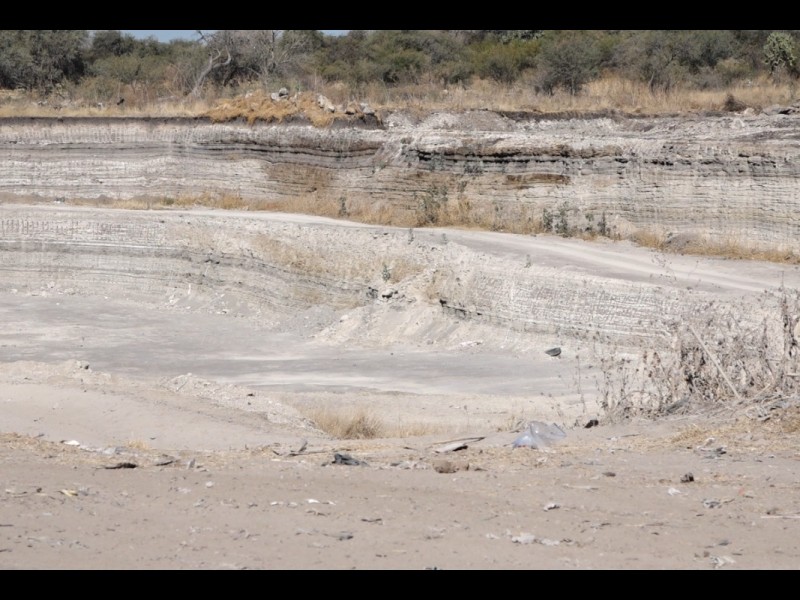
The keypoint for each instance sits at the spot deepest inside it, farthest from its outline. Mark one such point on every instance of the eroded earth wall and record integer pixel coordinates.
(729, 178)
(367, 283)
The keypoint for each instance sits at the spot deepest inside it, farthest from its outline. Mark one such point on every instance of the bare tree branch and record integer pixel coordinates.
(208, 68)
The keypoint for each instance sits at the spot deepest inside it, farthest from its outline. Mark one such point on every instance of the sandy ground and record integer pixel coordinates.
(133, 437)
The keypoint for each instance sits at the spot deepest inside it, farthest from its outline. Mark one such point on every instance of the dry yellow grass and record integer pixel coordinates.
(259, 106)
(735, 249)
(136, 444)
(730, 247)
(28, 106)
(522, 220)
(605, 94)
(362, 424)
(778, 431)
(649, 239)
(610, 93)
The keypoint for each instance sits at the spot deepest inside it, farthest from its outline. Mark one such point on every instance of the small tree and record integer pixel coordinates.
(40, 59)
(568, 61)
(779, 52)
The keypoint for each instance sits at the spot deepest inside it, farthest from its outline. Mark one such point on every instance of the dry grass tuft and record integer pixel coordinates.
(718, 359)
(649, 239)
(358, 423)
(779, 431)
(789, 422)
(606, 95)
(734, 248)
(139, 445)
(259, 106)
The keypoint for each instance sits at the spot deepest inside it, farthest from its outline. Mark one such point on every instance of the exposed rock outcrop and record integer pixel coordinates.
(727, 178)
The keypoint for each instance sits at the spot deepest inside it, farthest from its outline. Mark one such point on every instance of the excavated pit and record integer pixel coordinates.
(308, 308)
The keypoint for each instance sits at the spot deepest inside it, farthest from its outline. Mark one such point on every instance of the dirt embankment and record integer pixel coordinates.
(729, 179)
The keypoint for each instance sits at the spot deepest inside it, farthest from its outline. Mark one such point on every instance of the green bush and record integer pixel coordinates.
(780, 52)
(568, 61)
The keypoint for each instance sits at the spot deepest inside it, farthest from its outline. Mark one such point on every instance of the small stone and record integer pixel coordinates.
(524, 538)
(450, 466)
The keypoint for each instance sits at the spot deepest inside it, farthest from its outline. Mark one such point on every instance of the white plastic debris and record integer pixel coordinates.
(539, 435)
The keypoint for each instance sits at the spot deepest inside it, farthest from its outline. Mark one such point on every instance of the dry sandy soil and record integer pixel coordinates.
(139, 437)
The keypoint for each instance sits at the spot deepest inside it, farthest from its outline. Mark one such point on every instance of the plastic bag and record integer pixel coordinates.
(539, 435)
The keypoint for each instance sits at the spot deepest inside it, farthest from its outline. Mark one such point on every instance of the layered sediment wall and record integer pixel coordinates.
(722, 177)
(729, 178)
(375, 285)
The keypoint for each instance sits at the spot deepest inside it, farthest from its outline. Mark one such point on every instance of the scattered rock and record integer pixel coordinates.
(450, 466)
(281, 94)
(325, 104)
(721, 561)
(122, 465)
(686, 478)
(548, 542)
(717, 452)
(409, 464)
(777, 109)
(591, 423)
(346, 459)
(352, 108)
(553, 351)
(524, 538)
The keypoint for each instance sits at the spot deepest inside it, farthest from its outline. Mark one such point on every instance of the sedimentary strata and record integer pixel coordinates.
(729, 178)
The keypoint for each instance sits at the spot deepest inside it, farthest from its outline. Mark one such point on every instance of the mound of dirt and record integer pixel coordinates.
(302, 107)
